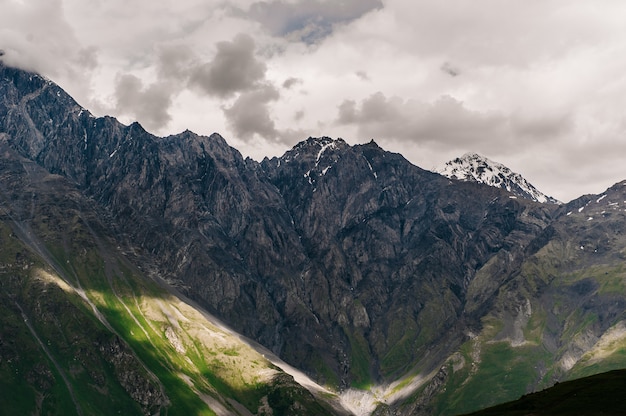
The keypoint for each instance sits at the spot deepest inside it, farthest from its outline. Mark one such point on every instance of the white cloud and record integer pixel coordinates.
(446, 120)
(35, 35)
(150, 104)
(537, 85)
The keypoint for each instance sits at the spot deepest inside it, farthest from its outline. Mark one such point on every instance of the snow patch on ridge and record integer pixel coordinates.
(369, 165)
(472, 167)
(326, 146)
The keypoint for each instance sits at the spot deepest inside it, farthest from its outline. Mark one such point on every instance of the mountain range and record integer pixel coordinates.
(171, 275)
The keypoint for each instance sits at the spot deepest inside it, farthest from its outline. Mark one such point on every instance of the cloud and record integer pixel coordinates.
(148, 104)
(234, 78)
(175, 62)
(362, 75)
(35, 36)
(446, 120)
(249, 114)
(450, 69)
(450, 122)
(234, 72)
(308, 20)
(541, 126)
(291, 81)
(298, 115)
(251, 119)
(233, 69)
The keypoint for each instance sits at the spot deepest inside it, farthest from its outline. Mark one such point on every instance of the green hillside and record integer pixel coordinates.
(86, 330)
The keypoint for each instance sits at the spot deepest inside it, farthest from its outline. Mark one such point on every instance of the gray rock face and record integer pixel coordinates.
(348, 261)
(397, 247)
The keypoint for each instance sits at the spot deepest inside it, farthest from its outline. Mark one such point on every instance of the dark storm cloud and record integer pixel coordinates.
(148, 104)
(233, 69)
(249, 114)
(308, 20)
(445, 120)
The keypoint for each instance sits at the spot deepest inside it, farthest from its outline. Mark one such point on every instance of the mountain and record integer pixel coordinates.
(398, 290)
(476, 168)
(88, 329)
(89, 325)
(557, 315)
(397, 247)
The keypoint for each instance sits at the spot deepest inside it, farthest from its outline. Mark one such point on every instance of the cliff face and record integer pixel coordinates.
(347, 261)
(396, 246)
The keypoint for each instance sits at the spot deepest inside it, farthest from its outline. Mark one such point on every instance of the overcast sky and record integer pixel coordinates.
(539, 86)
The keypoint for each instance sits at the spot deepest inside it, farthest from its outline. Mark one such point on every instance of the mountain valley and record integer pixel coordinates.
(170, 275)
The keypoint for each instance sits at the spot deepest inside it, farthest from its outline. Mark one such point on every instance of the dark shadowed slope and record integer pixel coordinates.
(601, 394)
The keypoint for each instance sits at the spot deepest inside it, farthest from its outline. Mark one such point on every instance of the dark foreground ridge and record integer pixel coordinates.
(601, 394)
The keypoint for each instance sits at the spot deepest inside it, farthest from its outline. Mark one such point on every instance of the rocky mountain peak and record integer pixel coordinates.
(313, 149)
(604, 205)
(311, 158)
(472, 167)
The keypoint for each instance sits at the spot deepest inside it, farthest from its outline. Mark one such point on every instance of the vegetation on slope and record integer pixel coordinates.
(84, 331)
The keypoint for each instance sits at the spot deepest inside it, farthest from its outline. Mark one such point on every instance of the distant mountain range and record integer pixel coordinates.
(143, 274)
(477, 168)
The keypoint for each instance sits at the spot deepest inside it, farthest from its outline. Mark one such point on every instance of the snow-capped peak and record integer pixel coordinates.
(473, 167)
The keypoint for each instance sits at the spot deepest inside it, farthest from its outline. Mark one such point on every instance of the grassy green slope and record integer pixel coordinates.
(84, 331)
(51, 345)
